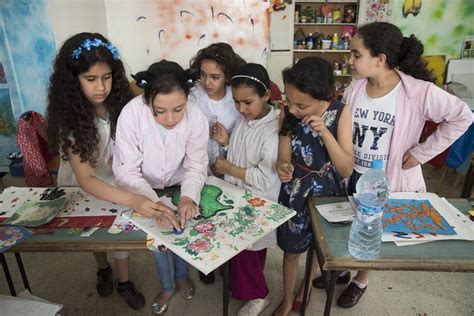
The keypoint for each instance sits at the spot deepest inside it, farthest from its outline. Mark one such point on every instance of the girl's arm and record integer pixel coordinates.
(284, 166)
(223, 166)
(128, 158)
(340, 149)
(88, 181)
(454, 117)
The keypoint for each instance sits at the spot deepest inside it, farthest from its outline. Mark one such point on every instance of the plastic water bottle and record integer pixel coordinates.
(366, 231)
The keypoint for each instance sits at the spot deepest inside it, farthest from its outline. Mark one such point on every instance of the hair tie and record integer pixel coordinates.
(88, 44)
(251, 78)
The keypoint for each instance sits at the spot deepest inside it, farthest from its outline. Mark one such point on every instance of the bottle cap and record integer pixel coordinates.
(377, 164)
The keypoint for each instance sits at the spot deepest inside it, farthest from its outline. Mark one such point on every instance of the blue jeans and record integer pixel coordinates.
(171, 268)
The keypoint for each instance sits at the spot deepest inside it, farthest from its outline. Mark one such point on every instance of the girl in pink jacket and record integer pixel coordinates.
(391, 97)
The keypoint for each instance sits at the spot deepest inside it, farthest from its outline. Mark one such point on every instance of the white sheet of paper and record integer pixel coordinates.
(27, 304)
(337, 212)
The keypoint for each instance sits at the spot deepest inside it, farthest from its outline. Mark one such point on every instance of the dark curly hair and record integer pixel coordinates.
(70, 115)
(401, 52)
(164, 77)
(223, 55)
(312, 76)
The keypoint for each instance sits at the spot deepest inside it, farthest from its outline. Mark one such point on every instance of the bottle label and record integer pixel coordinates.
(368, 214)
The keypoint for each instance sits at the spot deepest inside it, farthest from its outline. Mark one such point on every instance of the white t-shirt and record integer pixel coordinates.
(374, 119)
(103, 169)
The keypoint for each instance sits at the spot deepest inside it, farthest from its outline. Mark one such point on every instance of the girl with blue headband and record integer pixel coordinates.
(87, 92)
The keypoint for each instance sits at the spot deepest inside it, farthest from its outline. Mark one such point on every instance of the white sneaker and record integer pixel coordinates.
(254, 307)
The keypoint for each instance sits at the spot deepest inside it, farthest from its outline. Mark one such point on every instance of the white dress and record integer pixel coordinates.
(223, 111)
(103, 168)
(254, 146)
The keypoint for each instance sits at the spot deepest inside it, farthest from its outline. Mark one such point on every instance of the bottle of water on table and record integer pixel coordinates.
(366, 231)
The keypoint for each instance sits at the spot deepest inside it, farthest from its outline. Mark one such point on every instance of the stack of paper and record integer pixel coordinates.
(27, 304)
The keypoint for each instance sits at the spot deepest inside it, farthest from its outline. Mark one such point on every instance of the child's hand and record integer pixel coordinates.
(316, 123)
(163, 214)
(221, 166)
(285, 172)
(409, 161)
(186, 210)
(220, 134)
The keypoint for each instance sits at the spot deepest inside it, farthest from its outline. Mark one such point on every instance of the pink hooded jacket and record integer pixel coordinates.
(418, 101)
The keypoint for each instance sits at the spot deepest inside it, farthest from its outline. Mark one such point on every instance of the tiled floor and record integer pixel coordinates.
(69, 278)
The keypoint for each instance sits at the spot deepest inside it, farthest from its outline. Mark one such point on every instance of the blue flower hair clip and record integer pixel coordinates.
(88, 44)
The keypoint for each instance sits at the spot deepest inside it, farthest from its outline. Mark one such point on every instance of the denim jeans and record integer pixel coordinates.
(171, 268)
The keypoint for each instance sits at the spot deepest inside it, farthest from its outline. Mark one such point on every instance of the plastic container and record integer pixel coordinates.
(366, 231)
(326, 44)
(309, 41)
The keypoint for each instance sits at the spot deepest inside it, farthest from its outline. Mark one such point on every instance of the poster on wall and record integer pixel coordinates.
(375, 11)
(150, 30)
(27, 49)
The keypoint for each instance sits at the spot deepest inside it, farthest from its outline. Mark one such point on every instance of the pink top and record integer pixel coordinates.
(418, 101)
(143, 162)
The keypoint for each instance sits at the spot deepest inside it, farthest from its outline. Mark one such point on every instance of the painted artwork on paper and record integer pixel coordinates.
(209, 204)
(27, 50)
(208, 242)
(176, 30)
(414, 216)
(79, 210)
(11, 236)
(36, 213)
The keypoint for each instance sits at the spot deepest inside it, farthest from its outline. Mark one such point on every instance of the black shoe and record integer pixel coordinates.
(133, 298)
(105, 286)
(207, 279)
(350, 296)
(319, 281)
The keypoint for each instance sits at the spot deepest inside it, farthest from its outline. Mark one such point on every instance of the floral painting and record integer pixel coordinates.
(11, 236)
(375, 11)
(208, 242)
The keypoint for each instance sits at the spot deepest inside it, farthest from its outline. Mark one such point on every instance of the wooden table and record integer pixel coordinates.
(330, 244)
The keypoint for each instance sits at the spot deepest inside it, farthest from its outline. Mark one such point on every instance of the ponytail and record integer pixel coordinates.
(402, 52)
(410, 61)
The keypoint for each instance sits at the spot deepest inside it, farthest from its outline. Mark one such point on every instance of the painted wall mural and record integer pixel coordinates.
(26, 51)
(441, 25)
(150, 30)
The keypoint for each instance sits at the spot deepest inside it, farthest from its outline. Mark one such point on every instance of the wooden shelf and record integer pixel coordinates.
(321, 50)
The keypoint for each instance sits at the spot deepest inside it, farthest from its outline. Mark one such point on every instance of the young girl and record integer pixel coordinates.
(250, 164)
(390, 99)
(88, 90)
(162, 141)
(314, 155)
(213, 96)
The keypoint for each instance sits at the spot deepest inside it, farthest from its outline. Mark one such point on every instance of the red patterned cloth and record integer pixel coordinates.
(32, 139)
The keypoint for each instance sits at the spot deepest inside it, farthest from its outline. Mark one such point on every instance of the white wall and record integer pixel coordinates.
(74, 16)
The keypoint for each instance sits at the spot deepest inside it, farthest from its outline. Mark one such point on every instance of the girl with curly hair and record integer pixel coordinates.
(213, 96)
(88, 89)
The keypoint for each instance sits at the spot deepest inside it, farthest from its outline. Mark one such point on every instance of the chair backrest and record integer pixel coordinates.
(32, 139)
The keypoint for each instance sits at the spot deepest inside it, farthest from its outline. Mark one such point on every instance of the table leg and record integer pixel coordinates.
(307, 275)
(24, 277)
(225, 289)
(330, 291)
(8, 276)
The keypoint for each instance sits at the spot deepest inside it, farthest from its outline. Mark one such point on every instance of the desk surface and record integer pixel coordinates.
(446, 255)
(100, 240)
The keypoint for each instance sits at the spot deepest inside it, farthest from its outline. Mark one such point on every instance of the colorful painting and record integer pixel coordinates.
(27, 49)
(11, 236)
(207, 243)
(148, 31)
(423, 217)
(414, 216)
(440, 25)
(36, 213)
(79, 210)
(209, 204)
(375, 11)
